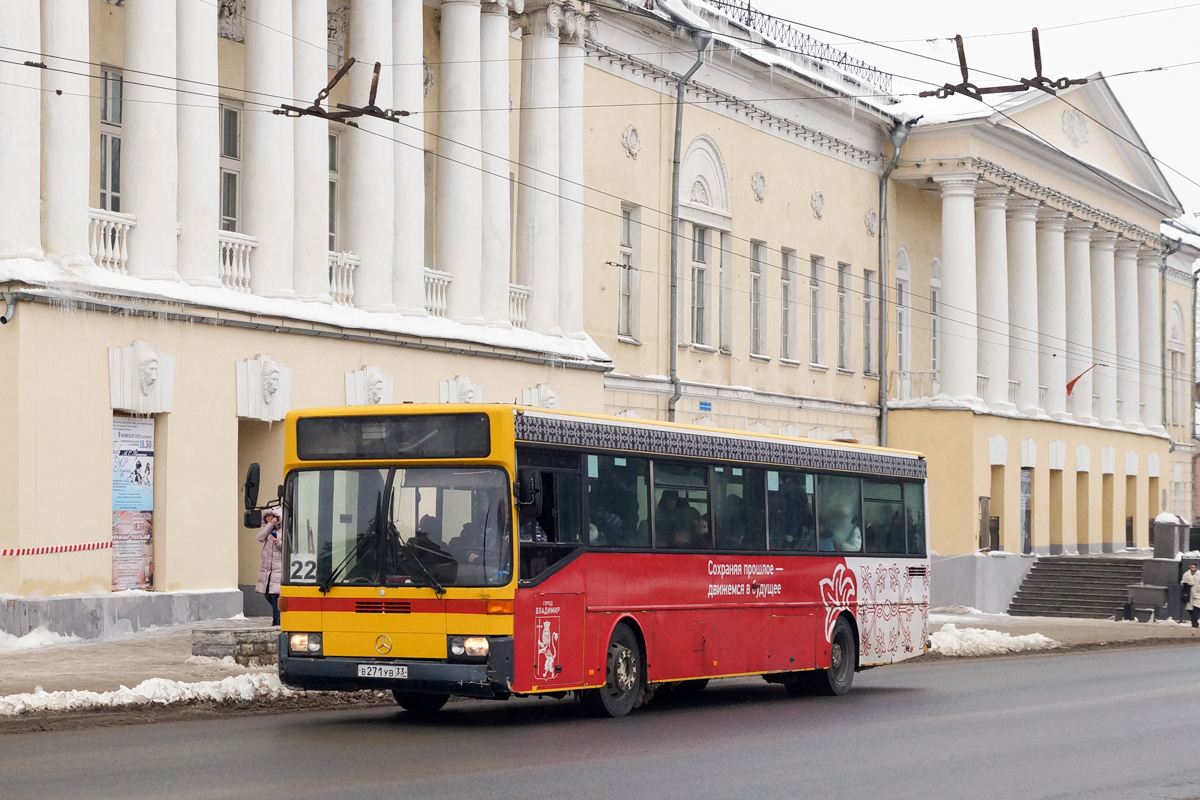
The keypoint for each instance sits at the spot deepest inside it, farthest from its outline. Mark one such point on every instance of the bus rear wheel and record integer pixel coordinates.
(419, 704)
(843, 656)
(624, 677)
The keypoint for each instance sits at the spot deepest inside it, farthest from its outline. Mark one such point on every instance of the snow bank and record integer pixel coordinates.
(251, 686)
(34, 640)
(950, 641)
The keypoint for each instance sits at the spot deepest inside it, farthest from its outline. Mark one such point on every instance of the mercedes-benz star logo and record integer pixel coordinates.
(383, 644)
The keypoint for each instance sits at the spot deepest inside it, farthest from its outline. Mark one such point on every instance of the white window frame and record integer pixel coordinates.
(629, 278)
(231, 167)
(335, 216)
(844, 277)
(870, 336)
(935, 329)
(787, 304)
(903, 327)
(756, 306)
(816, 311)
(701, 257)
(112, 85)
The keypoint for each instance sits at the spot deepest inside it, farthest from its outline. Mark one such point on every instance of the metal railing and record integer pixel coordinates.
(437, 286)
(235, 259)
(907, 384)
(341, 277)
(108, 238)
(518, 305)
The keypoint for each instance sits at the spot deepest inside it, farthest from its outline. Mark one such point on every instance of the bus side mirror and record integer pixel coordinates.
(252, 519)
(529, 492)
(250, 488)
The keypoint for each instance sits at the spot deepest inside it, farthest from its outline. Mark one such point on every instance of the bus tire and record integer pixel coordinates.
(843, 657)
(624, 676)
(420, 704)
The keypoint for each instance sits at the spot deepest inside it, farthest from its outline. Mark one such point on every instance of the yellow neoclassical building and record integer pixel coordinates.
(181, 265)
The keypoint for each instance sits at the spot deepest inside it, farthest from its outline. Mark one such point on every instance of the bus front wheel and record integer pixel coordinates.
(624, 677)
(420, 704)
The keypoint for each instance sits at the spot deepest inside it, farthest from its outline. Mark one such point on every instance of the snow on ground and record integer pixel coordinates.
(34, 640)
(953, 641)
(251, 686)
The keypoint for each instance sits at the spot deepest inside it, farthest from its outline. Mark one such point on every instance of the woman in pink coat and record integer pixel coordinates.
(271, 570)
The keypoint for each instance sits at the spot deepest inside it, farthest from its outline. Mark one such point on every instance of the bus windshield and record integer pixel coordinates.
(390, 526)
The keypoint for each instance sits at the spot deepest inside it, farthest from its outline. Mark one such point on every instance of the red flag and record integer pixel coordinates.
(1073, 381)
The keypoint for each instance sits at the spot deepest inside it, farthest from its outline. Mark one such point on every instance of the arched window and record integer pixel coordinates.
(704, 201)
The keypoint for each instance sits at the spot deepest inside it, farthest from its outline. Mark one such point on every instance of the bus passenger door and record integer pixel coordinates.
(556, 640)
(791, 641)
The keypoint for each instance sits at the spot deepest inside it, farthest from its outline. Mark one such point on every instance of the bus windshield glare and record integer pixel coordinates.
(390, 526)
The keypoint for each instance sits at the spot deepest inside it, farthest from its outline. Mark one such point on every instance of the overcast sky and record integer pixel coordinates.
(1164, 106)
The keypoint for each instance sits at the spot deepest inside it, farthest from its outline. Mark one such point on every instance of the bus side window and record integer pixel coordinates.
(618, 492)
(914, 514)
(883, 516)
(740, 508)
(560, 519)
(681, 507)
(791, 506)
(839, 513)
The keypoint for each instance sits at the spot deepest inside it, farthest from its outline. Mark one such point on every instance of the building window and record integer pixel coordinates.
(1178, 387)
(902, 342)
(231, 166)
(787, 302)
(869, 336)
(333, 192)
(816, 316)
(935, 325)
(627, 266)
(111, 93)
(756, 277)
(700, 237)
(843, 316)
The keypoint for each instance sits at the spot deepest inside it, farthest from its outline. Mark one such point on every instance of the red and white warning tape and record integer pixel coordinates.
(62, 548)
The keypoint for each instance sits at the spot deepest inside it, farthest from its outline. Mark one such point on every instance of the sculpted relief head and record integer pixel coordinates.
(270, 380)
(375, 386)
(147, 366)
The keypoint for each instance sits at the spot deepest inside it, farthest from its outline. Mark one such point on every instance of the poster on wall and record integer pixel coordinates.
(133, 503)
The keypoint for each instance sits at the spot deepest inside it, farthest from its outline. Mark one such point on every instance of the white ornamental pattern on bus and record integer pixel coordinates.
(891, 605)
(837, 595)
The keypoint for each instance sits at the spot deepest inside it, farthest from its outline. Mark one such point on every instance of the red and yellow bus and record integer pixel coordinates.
(499, 551)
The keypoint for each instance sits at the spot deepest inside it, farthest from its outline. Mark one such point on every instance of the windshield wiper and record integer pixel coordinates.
(326, 584)
(408, 546)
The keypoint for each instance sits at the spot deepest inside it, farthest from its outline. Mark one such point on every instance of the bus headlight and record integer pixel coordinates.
(469, 647)
(308, 644)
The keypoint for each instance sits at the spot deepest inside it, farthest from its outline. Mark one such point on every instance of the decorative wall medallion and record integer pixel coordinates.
(369, 386)
(141, 378)
(231, 19)
(264, 389)
(631, 140)
(759, 184)
(818, 204)
(428, 76)
(699, 194)
(872, 220)
(1075, 126)
(337, 21)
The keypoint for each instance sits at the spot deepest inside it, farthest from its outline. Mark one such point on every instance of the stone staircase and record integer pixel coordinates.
(1076, 586)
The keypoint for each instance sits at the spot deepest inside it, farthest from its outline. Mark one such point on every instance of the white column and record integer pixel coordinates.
(1023, 302)
(959, 319)
(149, 139)
(369, 197)
(1129, 372)
(408, 94)
(20, 133)
(460, 180)
(537, 191)
(199, 140)
(991, 269)
(268, 149)
(1052, 310)
(1149, 267)
(497, 213)
(310, 164)
(65, 132)
(1078, 289)
(1104, 327)
(570, 164)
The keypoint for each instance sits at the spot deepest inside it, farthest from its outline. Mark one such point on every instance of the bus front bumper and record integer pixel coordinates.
(490, 680)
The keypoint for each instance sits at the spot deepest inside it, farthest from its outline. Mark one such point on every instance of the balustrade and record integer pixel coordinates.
(437, 286)
(108, 238)
(235, 259)
(1012, 391)
(518, 304)
(981, 385)
(908, 384)
(341, 277)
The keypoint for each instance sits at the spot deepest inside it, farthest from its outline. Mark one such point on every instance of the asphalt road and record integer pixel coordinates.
(1092, 725)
